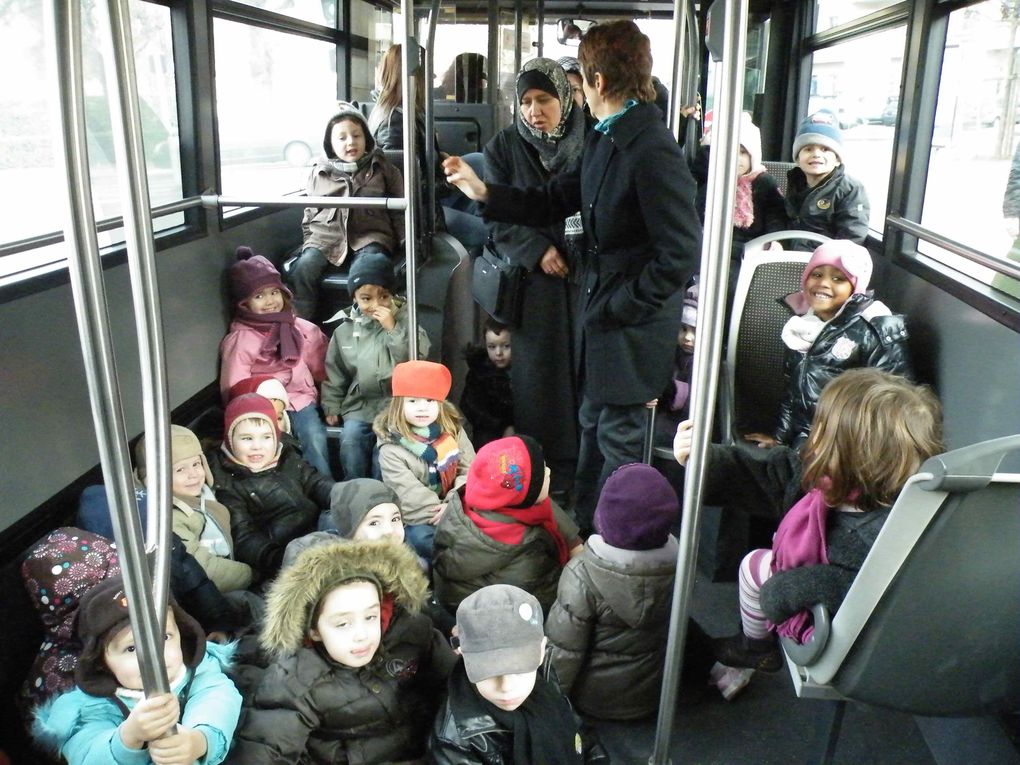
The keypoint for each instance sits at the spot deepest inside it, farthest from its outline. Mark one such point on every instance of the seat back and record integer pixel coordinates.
(778, 170)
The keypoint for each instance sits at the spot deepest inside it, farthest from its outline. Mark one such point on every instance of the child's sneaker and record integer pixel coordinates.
(729, 680)
(741, 651)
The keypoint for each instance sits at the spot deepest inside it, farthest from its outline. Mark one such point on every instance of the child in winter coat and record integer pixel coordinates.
(836, 325)
(357, 669)
(488, 400)
(266, 337)
(352, 166)
(674, 402)
(107, 718)
(425, 453)
(608, 626)
(273, 495)
(506, 530)
(501, 709)
(872, 431)
(369, 342)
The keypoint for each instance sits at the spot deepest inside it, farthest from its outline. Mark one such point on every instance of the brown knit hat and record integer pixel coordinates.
(251, 273)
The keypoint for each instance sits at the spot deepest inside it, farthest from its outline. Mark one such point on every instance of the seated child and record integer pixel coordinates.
(358, 669)
(836, 325)
(351, 166)
(506, 530)
(369, 342)
(488, 400)
(425, 453)
(273, 495)
(608, 627)
(202, 523)
(107, 719)
(266, 337)
(271, 388)
(500, 708)
(820, 196)
(872, 431)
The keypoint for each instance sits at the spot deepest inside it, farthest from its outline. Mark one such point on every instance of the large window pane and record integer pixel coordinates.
(832, 13)
(858, 81)
(274, 94)
(376, 24)
(29, 170)
(975, 136)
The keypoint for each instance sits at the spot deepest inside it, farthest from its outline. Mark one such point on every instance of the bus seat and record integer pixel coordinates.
(930, 625)
(778, 170)
(445, 306)
(751, 386)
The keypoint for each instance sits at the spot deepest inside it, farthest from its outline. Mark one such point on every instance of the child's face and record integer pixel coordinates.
(507, 692)
(188, 477)
(349, 625)
(267, 300)
(817, 162)
(122, 659)
(280, 408)
(348, 139)
(370, 297)
(254, 442)
(421, 412)
(686, 338)
(827, 288)
(381, 522)
(497, 345)
(743, 162)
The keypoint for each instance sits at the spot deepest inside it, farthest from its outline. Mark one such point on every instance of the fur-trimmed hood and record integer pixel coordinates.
(299, 588)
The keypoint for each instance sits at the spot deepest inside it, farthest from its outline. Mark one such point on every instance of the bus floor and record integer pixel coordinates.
(767, 724)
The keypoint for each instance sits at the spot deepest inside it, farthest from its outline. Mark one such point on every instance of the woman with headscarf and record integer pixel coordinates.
(546, 138)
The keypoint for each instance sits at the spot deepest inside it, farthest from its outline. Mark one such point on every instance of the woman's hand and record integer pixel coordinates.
(682, 442)
(459, 173)
(553, 264)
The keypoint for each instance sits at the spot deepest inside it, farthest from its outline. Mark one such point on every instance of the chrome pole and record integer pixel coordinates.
(410, 166)
(141, 250)
(384, 203)
(680, 41)
(89, 294)
(430, 122)
(715, 255)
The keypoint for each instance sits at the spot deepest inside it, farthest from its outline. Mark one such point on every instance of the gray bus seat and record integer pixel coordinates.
(778, 170)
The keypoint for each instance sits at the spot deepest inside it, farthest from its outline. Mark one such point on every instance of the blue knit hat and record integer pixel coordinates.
(821, 128)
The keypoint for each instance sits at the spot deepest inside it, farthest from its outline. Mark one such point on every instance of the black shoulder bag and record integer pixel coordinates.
(498, 286)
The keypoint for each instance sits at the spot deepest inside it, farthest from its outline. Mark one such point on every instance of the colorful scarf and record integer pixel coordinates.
(282, 337)
(800, 541)
(513, 533)
(440, 453)
(743, 204)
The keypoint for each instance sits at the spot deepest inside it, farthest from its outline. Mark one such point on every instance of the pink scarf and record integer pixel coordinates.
(282, 337)
(800, 541)
(743, 204)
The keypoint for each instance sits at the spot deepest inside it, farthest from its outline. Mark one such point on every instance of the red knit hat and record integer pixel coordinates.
(251, 273)
(507, 472)
(247, 406)
(422, 379)
(265, 385)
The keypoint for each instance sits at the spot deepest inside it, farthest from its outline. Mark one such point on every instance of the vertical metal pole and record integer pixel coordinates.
(676, 102)
(97, 345)
(141, 249)
(541, 28)
(410, 65)
(518, 37)
(715, 256)
(430, 124)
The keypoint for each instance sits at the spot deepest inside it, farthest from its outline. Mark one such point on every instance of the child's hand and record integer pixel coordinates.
(682, 442)
(773, 247)
(763, 441)
(333, 419)
(384, 316)
(509, 431)
(182, 748)
(437, 513)
(652, 404)
(149, 720)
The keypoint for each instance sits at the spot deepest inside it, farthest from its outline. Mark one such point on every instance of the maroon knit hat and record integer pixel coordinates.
(246, 406)
(251, 273)
(637, 508)
(507, 472)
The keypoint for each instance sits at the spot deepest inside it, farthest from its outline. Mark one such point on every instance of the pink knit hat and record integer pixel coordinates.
(850, 258)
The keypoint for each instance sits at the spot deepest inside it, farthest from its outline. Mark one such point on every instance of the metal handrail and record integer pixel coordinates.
(1004, 267)
(407, 87)
(386, 203)
(97, 343)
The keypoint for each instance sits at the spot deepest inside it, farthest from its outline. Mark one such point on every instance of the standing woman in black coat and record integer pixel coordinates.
(636, 198)
(546, 138)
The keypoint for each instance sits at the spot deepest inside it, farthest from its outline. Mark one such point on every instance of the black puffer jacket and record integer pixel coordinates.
(863, 334)
(488, 399)
(270, 508)
(837, 207)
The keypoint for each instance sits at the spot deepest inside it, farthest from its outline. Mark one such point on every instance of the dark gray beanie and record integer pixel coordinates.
(370, 268)
(350, 501)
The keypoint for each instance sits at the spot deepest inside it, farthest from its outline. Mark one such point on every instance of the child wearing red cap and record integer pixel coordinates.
(506, 530)
(273, 495)
(267, 338)
(836, 325)
(424, 453)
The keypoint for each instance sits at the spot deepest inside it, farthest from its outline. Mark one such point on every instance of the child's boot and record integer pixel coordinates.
(741, 651)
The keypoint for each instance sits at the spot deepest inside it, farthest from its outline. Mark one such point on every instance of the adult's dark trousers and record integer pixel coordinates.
(611, 435)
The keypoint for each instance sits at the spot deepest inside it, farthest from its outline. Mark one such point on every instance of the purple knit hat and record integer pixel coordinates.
(637, 508)
(849, 257)
(252, 272)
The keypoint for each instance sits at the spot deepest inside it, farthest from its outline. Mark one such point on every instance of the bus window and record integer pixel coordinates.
(832, 13)
(316, 11)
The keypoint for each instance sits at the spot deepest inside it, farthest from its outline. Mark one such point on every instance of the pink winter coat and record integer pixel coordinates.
(241, 356)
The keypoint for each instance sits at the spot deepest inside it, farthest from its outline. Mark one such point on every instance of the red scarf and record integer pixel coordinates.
(282, 337)
(513, 533)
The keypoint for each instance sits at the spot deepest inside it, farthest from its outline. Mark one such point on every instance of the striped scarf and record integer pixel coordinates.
(440, 453)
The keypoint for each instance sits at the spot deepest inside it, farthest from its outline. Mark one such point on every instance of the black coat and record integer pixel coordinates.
(270, 508)
(543, 370)
(487, 400)
(636, 198)
(837, 207)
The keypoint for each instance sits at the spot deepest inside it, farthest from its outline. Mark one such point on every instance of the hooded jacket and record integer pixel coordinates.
(466, 559)
(863, 334)
(310, 709)
(360, 361)
(837, 207)
(271, 507)
(607, 629)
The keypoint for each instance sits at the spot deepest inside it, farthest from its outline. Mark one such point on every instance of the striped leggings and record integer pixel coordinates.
(755, 568)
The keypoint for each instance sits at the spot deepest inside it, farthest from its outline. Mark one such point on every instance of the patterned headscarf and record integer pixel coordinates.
(561, 147)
